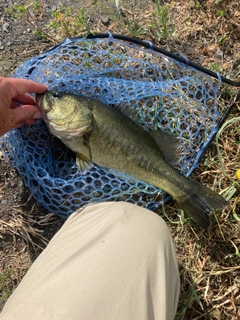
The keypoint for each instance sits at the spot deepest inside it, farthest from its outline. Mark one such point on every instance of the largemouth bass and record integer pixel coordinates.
(107, 137)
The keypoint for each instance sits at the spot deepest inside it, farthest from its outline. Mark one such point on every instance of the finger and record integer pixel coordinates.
(14, 105)
(23, 114)
(18, 117)
(29, 122)
(19, 87)
(25, 99)
(19, 125)
(5, 127)
(23, 86)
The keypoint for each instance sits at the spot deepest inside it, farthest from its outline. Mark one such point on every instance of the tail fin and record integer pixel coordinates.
(200, 202)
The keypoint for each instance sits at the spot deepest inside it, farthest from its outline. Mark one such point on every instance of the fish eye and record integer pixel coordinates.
(57, 95)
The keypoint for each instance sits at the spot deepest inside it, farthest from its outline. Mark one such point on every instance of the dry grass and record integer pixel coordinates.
(207, 32)
(24, 234)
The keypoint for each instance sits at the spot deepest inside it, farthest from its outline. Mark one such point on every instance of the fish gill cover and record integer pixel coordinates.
(165, 93)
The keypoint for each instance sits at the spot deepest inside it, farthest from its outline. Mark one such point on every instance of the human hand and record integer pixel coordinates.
(13, 93)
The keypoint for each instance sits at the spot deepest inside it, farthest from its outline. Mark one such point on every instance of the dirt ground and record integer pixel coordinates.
(26, 227)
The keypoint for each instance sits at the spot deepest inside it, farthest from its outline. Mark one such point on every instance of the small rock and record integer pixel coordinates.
(219, 53)
(105, 20)
(4, 202)
(6, 27)
(123, 13)
(91, 18)
(55, 8)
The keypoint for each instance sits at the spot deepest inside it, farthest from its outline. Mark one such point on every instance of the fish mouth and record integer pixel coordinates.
(68, 133)
(60, 130)
(39, 105)
(38, 100)
(44, 106)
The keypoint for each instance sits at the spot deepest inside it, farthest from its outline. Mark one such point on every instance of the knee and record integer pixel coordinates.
(125, 212)
(132, 217)
(125, 220)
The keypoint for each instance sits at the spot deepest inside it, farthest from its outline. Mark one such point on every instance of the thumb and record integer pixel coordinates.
(24, 113)
(16, 117)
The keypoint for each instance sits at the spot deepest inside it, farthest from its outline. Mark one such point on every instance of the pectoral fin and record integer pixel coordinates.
(83, 162)
(84, 155)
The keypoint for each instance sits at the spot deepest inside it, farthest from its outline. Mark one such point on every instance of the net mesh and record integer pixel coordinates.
(166, 94)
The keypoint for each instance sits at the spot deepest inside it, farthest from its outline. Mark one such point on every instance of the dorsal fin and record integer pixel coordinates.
(168, 144)
(129, 112)
(166, 141)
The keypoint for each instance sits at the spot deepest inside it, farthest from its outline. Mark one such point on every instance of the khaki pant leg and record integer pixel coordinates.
(111, 261)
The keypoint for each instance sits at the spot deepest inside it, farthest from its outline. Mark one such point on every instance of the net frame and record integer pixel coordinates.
(168, 92)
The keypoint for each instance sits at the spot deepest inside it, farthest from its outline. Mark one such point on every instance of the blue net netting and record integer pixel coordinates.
(166, 94)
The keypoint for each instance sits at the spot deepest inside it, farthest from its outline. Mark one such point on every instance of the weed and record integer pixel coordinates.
(220, 13)
(68, 11)
(15, 10)
(5, 280)
(5, 290)
(38, 32)
(222, 39)
(135, 28)
(227, 123)
(67, 23)
(159, 26)
(83, 21)
(197, 4)
(64, 22)
(117, 4)
(131, 22)
(236, 249)
(216, 68)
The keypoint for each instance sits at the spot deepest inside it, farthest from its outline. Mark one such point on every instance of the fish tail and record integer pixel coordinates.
(200, 202)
